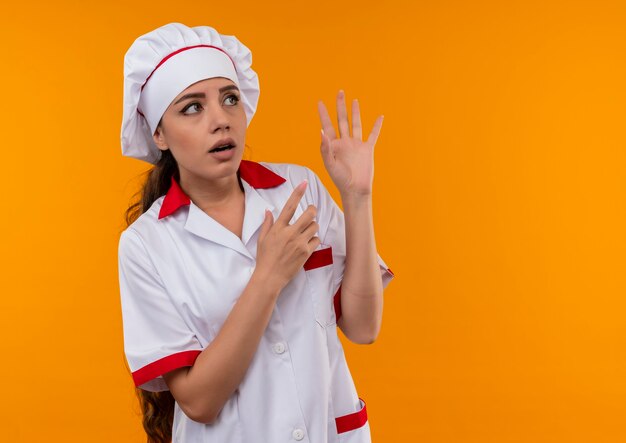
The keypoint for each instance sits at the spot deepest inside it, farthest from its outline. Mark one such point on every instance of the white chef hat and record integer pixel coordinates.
(161, 64)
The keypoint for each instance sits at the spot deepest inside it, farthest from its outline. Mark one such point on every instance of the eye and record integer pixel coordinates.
(191, 105)
(233, 99)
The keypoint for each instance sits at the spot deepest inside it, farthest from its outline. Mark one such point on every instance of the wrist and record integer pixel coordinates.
(354, 199)
(267, 281)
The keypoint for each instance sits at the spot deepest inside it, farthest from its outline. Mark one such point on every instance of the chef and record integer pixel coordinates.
(236, 275)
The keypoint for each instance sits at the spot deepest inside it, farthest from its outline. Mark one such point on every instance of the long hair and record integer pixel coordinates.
(157, 407)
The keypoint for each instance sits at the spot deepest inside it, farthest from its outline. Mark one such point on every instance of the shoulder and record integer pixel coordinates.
(316, 193)
(291, 172)
(144, 227)
(294, 174)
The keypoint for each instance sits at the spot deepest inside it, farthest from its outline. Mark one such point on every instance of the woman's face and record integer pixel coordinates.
(207, 115)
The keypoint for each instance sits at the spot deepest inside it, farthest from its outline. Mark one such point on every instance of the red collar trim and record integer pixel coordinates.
(255, 174)
(174, 199)
(258, 176)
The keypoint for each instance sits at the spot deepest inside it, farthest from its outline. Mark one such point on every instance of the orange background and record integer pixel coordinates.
(499, 204)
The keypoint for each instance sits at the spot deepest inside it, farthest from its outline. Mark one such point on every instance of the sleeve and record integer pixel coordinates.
(333, 233)
(156, 338)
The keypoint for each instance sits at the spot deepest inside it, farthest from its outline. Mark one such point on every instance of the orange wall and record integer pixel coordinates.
(499, 204)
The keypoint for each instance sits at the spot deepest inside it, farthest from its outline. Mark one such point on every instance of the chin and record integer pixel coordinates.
(224, 168)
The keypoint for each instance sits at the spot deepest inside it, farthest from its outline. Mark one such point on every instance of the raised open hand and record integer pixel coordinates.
(348, 159)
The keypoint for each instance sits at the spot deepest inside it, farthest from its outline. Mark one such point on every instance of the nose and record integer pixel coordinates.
(218, 119)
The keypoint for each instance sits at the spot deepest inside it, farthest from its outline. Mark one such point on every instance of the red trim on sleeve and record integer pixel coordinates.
(352, 421)
(391, 272)
(163, 365)
(337, 303)
(322, 257)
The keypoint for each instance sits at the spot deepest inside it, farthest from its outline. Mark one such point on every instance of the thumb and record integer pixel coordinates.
(268, 221)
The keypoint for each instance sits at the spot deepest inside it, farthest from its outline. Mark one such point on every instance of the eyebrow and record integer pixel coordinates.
(203, 95)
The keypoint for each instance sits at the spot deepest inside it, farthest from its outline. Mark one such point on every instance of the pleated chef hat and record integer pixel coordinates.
(162, 63)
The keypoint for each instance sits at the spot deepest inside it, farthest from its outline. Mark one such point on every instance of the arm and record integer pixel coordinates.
(202, 389)
(361, 289)
(350, 163)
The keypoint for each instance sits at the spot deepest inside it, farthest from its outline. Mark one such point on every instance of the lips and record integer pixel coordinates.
(223, 145)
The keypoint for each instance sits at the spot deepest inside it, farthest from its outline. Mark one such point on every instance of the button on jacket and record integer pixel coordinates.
(180, 274)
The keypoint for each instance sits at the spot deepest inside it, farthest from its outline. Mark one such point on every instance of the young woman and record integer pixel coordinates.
(235, 275)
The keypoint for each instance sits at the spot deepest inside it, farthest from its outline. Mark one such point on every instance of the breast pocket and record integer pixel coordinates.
(319, 275)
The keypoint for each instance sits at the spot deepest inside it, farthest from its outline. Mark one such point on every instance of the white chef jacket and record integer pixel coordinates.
(180, 274)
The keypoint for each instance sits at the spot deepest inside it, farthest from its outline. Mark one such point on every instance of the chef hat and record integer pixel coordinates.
(162, 63)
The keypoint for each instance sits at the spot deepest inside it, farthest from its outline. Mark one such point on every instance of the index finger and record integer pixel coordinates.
(292, 203)
(327, 124)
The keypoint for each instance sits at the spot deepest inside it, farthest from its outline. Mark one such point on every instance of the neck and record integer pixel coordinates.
(212, 193)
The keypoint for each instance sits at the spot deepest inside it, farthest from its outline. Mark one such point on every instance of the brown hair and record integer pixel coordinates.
(157, 184)
(157, 407)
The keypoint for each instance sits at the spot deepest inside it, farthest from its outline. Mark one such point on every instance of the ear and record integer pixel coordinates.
(159, 139)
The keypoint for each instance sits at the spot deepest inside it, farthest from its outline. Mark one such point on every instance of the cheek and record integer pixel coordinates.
(188, 137)
(242, 120)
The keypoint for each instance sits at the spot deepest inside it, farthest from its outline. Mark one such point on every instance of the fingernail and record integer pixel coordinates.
(322, 131)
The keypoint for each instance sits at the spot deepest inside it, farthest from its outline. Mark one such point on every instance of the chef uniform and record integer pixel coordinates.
(181, 272)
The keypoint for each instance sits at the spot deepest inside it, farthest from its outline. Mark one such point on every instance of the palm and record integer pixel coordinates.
(348, 159)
